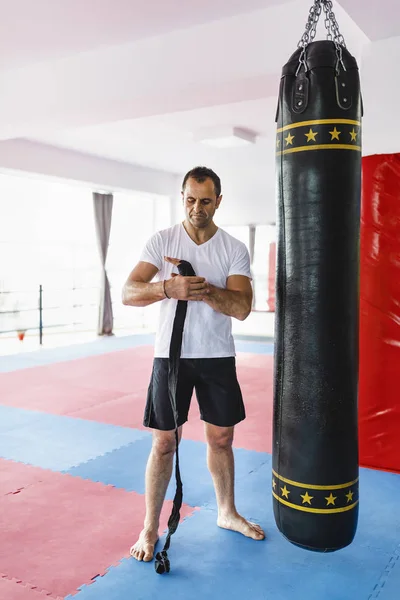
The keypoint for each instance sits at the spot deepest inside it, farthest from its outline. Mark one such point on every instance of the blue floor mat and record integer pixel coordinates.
(58, 442)
(125, 468)
(388, 586)
(12, 418)
(254, 347)
(211, 563)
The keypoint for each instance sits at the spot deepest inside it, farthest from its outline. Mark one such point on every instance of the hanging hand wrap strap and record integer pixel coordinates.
(162, 564)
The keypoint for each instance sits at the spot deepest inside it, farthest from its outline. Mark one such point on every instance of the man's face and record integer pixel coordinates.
(200, 202)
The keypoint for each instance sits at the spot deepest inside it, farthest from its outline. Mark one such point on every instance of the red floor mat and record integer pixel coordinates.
(68, 386)
(63, 532)
(54, 396)
(111, 388)
(14, 476)
(14, 589)
(255, 373)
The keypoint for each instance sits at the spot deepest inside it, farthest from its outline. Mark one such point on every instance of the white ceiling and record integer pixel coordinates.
(379, 19)
(133, 81)
(33, 31)
(166, 141)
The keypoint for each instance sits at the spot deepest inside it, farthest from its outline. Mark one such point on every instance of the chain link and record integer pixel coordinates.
(311, 25)
(331, 25)
(330, 17)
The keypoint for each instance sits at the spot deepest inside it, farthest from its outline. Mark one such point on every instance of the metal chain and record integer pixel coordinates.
(331, 26)
(327, 24)
(311, 25)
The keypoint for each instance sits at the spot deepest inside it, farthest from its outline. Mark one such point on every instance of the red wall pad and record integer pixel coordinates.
(379, 383)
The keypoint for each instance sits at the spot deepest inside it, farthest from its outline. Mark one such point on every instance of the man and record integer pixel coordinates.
(221, 290)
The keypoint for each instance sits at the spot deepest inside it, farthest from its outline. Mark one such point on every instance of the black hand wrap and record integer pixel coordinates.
(162, 563)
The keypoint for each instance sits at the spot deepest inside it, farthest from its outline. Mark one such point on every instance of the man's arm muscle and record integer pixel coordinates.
(138, 289)
(234, 301)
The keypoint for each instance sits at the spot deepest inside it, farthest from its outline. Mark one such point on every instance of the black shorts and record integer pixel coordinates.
(217, 390)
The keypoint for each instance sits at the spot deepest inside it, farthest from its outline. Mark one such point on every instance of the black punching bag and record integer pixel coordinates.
(318, 160)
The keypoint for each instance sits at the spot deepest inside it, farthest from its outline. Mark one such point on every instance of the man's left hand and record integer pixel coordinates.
(206, 288)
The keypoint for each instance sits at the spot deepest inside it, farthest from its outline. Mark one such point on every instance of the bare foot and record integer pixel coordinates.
(144, 547)
(237, 523)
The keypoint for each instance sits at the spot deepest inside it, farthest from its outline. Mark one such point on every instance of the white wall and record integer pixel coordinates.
(248, 198)
(380, 84)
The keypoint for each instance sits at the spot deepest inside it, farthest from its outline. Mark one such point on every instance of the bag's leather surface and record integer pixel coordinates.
(315, 438)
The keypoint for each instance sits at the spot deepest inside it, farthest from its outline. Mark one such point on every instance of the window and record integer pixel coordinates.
(263, 272)
(47, 238)
(240, 232)
(136, 217)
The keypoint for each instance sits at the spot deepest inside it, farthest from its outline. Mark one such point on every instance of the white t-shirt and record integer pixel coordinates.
(207, 333)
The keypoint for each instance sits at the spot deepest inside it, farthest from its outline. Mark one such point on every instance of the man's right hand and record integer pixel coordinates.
(186, 288)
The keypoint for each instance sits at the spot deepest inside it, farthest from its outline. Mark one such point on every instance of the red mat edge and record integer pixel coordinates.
(38, 592)
(50, 596)
(363, 465)
(127, 556)
(43, 593)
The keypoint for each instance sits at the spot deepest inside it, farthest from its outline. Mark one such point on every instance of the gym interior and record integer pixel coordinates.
(105, 106)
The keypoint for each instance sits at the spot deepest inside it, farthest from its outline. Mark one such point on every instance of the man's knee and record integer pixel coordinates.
(219, 438)
(164, 442)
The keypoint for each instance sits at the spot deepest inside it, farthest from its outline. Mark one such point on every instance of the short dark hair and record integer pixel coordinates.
(200, 174)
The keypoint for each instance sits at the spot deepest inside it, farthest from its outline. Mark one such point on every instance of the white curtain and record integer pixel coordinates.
(103, 205)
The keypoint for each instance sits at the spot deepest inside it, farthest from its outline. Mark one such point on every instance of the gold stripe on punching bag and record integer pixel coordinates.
(319, 134)
(317, 499)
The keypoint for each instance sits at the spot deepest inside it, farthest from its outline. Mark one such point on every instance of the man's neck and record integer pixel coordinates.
(200, 235)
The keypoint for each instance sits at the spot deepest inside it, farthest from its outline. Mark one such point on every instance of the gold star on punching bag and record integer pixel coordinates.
(311, 135)
(278, 143)
(330, 499)
(289, 139)
(335, 134)
(349, 496)
(285, 492)
(306, 498)
(353, 135)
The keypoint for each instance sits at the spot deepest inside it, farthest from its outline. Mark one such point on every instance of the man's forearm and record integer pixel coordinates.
(138, 293)
(229, 302)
